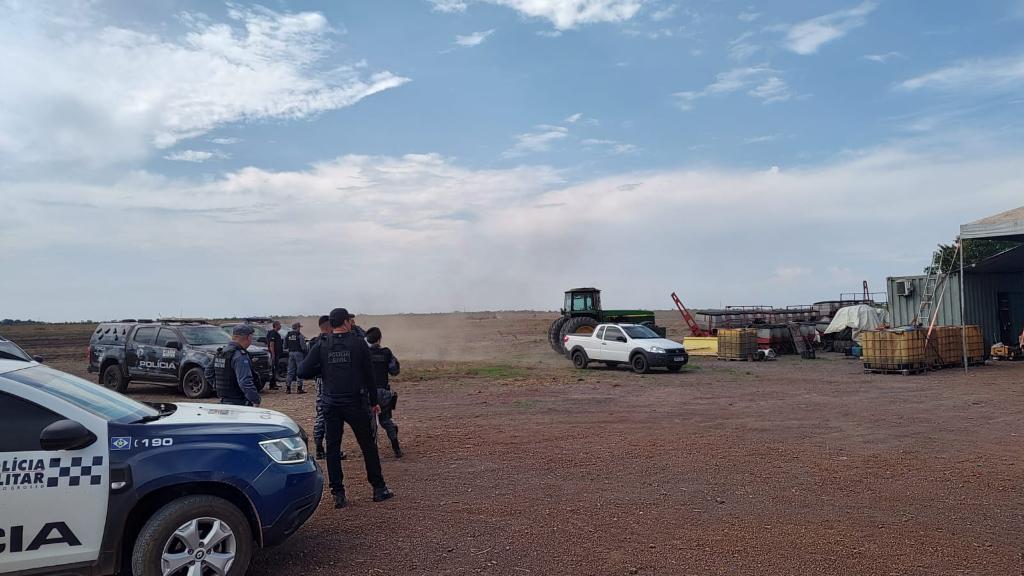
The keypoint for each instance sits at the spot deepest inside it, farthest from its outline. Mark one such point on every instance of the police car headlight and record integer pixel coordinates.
(291, 450)
(656, 350)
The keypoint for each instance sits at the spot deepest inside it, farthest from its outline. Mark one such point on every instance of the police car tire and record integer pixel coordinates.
(149, 546)
(113, 378)
(204, 390)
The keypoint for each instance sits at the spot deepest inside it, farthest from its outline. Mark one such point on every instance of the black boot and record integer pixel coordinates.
(340, 501)
(287, 389)
(301, 391)
(320, 455)
(397, 448)
(382, 494)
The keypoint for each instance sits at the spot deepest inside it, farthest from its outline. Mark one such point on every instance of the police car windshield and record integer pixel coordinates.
(104, 403)
(200, 335)
(640, 332)
(10, 351)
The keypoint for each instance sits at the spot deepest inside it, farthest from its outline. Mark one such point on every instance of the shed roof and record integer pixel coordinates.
(1007, 225)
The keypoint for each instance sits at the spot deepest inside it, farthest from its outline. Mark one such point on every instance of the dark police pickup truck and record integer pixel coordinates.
(174, 352)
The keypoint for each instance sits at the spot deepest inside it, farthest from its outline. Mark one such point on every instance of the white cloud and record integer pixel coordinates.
(748, 15)
(474, 39)
(760, 82)
(664, 13)
(883, 58)
(611, 146)
(574, 118)
(85, 92)
(808, 36)
(388, 223)
(225, 141)
(741, 47)
(448, 6)
(538, 141)
(563, 14)
(196, 156)
(762, 139)
(980, 75)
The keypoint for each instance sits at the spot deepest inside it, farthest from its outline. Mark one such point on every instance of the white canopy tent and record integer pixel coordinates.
(1007, 225)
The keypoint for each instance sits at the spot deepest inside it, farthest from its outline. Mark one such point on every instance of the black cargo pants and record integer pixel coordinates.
(358, 416)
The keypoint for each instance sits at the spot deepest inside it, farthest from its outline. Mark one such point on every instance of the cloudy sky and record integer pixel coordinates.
(188, 157)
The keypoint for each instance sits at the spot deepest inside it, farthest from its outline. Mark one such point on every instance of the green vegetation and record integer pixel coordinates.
(498, 372)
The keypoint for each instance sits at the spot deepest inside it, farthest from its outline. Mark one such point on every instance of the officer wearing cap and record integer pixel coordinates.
(349, 396)
(231, 370)
(295, 345)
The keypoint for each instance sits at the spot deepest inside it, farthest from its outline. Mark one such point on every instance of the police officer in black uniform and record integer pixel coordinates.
(275, 344)
(349, 396)
(231, 369)
(295, 345)
(384, 365)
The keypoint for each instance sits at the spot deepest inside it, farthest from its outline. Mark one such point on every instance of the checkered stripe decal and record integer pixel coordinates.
(77, 474)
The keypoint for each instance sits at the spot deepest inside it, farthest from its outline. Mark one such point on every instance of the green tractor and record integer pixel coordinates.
(582, 313)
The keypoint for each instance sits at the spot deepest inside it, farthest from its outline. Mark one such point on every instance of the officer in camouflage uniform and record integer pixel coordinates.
(231, 370)
(384, 365)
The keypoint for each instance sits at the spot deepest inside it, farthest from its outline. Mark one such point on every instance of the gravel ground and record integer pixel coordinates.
(525, 466)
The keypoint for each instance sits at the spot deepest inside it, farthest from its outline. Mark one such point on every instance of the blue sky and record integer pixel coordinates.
(431, 155)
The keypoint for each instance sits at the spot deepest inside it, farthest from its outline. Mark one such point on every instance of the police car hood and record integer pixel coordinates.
(228, 419)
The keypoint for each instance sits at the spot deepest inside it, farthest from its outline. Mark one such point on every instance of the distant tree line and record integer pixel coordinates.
(11, 322)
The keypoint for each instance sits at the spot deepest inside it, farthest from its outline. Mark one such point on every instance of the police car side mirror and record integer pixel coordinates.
(173, 344)
(38, 358)
(65, 435)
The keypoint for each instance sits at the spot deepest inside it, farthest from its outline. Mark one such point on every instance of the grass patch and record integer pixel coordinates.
(498, 372)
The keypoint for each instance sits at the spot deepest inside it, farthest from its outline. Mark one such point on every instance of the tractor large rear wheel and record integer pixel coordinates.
(581, 326)
(555, 334)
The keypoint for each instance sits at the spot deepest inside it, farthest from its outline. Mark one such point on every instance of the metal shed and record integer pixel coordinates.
(990, 292)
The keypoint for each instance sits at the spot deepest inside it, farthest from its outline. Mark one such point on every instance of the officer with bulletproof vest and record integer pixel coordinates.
(295, 346)
(319, 430)
(349, 396)
(231, 370)
(384, 365)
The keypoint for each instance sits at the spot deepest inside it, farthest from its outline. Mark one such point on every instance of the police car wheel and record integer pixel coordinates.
(194, 384)
(194, 536)
(113, 378)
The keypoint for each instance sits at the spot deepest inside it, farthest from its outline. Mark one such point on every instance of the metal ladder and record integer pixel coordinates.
(934, 284)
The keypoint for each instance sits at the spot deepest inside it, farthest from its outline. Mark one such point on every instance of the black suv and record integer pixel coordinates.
(173, 352)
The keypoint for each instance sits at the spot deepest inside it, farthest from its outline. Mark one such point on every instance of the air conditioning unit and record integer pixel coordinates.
(904, 287)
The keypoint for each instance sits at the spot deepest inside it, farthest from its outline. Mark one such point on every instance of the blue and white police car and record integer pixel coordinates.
(92, 482)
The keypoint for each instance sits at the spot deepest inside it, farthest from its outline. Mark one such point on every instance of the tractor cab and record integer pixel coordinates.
(582, 302)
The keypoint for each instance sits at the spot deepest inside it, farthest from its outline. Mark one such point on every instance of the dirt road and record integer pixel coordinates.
(521, 465)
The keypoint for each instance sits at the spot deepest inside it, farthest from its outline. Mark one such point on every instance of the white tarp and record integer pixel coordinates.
(860, 318)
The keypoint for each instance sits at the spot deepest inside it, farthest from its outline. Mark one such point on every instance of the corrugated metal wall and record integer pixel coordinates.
(981, 303)
(902, 309)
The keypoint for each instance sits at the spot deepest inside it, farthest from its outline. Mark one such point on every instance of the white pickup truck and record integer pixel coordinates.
(632, 344)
